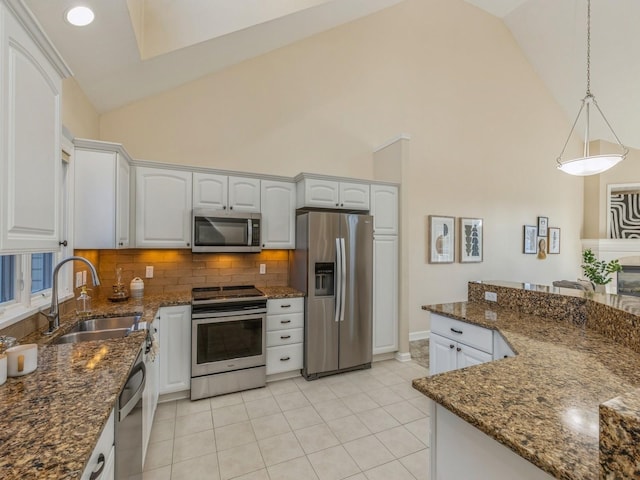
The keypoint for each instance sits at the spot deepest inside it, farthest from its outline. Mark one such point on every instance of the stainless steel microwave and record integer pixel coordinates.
(220, 231)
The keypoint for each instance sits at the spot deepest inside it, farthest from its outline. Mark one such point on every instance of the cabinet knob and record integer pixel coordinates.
(231, 207)
(121, 243)
(63, 243)
(337, 204)
(263, 245)
(342, 204)
(458, 349)
(451, 346)
(188, 244)
(224, 207)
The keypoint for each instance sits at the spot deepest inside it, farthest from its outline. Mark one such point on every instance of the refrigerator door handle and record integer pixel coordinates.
(343, 282)
(338, 279)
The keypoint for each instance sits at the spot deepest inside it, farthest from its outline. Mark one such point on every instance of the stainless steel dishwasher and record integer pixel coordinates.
(128, 428)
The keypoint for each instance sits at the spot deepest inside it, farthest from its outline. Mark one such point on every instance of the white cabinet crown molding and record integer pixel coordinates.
(88, 144)
(36, 32)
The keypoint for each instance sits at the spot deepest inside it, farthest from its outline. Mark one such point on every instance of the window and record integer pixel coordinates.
(41, 271)
(7, 278)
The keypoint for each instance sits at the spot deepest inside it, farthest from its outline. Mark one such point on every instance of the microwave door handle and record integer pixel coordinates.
(250, 234)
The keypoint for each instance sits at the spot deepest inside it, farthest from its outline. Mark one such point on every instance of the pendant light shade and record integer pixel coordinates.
(590, 164)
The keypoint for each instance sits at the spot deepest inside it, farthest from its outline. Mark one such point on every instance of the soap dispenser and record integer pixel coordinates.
(83, 303)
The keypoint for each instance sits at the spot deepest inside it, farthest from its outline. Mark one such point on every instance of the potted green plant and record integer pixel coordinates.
(598, 271)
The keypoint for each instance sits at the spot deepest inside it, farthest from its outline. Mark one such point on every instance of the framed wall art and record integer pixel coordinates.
(530, 239)
(441, 235)
(470, 240)
(543, 223)
(554, 240)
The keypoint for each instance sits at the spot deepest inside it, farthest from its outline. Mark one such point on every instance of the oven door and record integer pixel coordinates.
(227, 343)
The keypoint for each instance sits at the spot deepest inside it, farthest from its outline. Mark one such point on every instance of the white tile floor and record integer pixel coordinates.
(364, 425)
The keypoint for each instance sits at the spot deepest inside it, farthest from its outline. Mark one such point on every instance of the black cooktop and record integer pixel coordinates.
(229, 292)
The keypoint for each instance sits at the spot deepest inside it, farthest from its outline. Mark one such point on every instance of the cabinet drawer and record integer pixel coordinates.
(285, 337)
(284, 358)
(104, 447)
(472, 335)
(277, 306)
(285, 322)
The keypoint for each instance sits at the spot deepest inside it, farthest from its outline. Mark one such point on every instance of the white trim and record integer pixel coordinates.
(422, 335)
(403, 357)
(402, 136)
(381, 357)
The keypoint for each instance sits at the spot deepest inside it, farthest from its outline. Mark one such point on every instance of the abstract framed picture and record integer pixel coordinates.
(471, 241)
(554, 240)
(441, 235)
(543, 223)
(530, 239)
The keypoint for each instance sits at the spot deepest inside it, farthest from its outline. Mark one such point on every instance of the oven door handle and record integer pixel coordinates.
(235, 313)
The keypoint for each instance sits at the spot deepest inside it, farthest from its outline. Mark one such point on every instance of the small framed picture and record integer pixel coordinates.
(441, 248)
(530, 239)
(543, 222)
(554, 240)
(470, 240)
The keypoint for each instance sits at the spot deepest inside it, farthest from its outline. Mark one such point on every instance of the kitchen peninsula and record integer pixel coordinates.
(566, 402)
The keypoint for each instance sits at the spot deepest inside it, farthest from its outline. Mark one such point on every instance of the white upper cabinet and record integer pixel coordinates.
(102, 195)
(384, 208)
(30, 130)
(278, 200)
(163, 208)
(320, 193)
(221, 192)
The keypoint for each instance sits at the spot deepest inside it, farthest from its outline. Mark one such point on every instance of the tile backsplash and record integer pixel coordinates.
(181, 270)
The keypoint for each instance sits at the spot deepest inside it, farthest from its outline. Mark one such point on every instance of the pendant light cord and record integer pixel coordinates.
(589, 48)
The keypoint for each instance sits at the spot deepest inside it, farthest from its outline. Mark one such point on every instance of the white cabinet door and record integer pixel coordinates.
(442, 354)
(123, 195)
(101, 200)
(244, 194)
(278, 214)
(467, 356)
(210, 191)
(103, 453)
(384, 208)
(150, 395)
(354, 195)
(30, 128)
(385, 294)
(175, 349)
(318, 193)
(163, 208)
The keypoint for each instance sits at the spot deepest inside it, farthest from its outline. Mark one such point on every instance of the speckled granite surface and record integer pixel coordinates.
(52, 418)
(544, 403)
(281, 292)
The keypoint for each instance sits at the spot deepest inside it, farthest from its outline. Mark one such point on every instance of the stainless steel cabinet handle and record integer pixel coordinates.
(285, 321)
(284, 359)
(285, 337)
(96, 475)
(456, 331)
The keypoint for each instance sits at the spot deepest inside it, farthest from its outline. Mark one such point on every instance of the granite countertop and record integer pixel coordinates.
(53, 417)
(544, 402)
(281, 292)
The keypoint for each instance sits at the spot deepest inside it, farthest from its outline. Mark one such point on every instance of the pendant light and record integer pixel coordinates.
(588, 164)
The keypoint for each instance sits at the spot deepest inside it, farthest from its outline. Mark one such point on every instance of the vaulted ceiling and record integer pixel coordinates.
(137, 48)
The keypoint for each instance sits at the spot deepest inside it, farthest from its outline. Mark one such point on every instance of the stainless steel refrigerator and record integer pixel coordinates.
(333, 265)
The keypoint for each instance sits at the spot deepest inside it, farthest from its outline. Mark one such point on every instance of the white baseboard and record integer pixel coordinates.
(403, 357)
(423, 335)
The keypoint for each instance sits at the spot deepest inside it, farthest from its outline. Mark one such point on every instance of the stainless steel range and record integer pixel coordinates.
(228, 340)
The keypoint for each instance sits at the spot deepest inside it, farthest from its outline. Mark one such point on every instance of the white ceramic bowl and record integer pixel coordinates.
(22, 359)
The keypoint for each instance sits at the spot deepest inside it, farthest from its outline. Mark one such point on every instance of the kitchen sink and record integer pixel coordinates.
(108, 323)
(77, 337)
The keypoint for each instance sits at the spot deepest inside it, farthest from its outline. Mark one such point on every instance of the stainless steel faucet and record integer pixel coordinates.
(54, 314)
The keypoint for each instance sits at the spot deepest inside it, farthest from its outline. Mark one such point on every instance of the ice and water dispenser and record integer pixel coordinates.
(324, 279)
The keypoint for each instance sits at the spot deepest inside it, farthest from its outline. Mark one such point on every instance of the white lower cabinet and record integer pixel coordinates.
(285, 335)
(385, 294)
(174, 332)
(102, 458)
(454, 344)
(150, 396)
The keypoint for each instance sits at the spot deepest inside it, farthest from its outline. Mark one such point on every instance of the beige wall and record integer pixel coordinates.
(78, 114)
(595, 194)
(484, 130)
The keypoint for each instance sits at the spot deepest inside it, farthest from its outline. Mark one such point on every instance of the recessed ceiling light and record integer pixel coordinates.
(79, 16)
